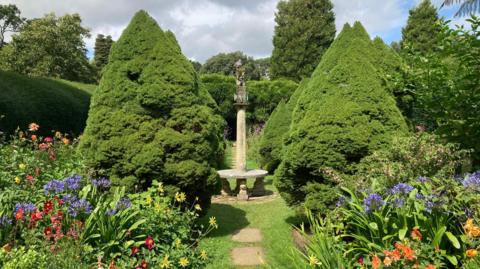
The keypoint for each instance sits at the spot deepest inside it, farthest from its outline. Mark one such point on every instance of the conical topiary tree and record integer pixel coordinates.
(148, 120)
(278, 124)
(343, 114)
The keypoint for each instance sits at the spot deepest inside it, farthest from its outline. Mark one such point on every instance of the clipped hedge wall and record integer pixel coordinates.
(150, 120)
(343, 115)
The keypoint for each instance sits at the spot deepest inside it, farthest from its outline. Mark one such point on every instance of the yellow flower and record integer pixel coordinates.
(149, 200)
(183, 262)
(471, 253)
(213, 222)
(198, 207)
(158, 207)
(18, 180)
(22, 166)
(58, 135)
(203, 255)
(66, 141)
(178, 242)
(165, 262)
(160, 188)
(313, 260)
(180, 197)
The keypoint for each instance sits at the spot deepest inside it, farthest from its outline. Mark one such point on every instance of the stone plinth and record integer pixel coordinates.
(241, 177)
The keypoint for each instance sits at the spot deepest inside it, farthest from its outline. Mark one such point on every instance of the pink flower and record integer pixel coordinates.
(32, 127)
(48, 139)
(43, 146)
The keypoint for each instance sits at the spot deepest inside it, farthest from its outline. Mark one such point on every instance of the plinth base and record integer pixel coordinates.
(241, 176)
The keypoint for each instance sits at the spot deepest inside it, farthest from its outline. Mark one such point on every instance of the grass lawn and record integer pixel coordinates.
(271, 216)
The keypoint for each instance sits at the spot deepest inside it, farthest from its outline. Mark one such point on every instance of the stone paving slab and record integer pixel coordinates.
(247, 256)
(247, 235)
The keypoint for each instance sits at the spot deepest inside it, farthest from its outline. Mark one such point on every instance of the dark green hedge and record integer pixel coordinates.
(343, 115)
(53, 104)
(149, 120)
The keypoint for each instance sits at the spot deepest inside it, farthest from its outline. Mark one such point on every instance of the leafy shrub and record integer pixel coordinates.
(277, 126)
(55, 105)
(148, 119)
(344, 114)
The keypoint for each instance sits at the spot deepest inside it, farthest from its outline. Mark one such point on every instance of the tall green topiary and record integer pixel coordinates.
(420, 33)
(278, 124)
(342, 116)
(149, 120)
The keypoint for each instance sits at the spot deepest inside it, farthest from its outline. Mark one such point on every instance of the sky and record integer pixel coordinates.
(207, 27)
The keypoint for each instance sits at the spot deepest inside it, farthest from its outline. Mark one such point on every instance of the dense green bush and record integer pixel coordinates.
(278, 124)
(343, 115)
(150, 120)
(55, 105)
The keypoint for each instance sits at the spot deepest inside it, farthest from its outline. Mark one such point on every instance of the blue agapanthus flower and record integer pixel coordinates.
(422, 179)
(472, 181)
(398, 202)
(73, 182)
(69, 198)
(54, 187)
(101, 183)
(27, 207)
(373, 202)
(78, 207)
(401, 188)
(123, 204)
(341, 201)
(5, 221)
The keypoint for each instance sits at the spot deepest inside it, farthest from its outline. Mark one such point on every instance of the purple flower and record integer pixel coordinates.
(398, 202)
(419, 196)
(73, 182)
(422, 179)
(54, 186)
(111, 212)
(401, 188)
(123, 204)
(69, 198)
(5, 221)
(472, 181)
(27, 207)
(78, 207)
(101, 183)
(373, 202)
(341, 201)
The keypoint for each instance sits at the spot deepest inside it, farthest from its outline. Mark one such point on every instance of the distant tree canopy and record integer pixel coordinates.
(50, 46)
(102, 50)
(196, 65)
(422, 28)
(149, 120)
(304, 30)
(10, 21)
(223, 63)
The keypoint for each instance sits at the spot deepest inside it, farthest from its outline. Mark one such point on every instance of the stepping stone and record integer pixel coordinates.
(247, 256)
(247, 235)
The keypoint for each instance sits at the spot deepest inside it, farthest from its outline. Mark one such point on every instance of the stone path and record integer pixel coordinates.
(252, 253)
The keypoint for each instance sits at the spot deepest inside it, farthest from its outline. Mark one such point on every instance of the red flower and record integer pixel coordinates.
(144, 264)
(376, 262)
(47, 232)
(48, 207)
(360, 260)
(149, 243)
(43, 146)
(135, 251)
(30, 178)
(20, 214)
(48, 139)
(430, 266)
(36, 216)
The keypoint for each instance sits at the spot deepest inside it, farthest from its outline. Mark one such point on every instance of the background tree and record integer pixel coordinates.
(422, 28)
(50, 46)
(10, 21)
(149, 120)
(223, 63)
(467, 6)
(102, 50)
(304, 30)
(196, 65)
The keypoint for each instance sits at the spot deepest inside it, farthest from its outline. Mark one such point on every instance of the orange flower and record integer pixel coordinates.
(416, 234)
(32, 127)
(376, 262)
(34, 138)
(409, 253)
(66, 141)
(387, 261)
(471, 253)
(471, 229)
(430, 266)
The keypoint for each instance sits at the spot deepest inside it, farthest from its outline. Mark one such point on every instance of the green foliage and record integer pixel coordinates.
(223, 63)
(344, 114)
(408, 157)
(277, 126)
(196, 65)
(148, 118)
(101, 51)
(422, 28)
(304, 30)
(50, 46)
(445, 85)
(53, 104)
(467, 6)
(10, 21)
